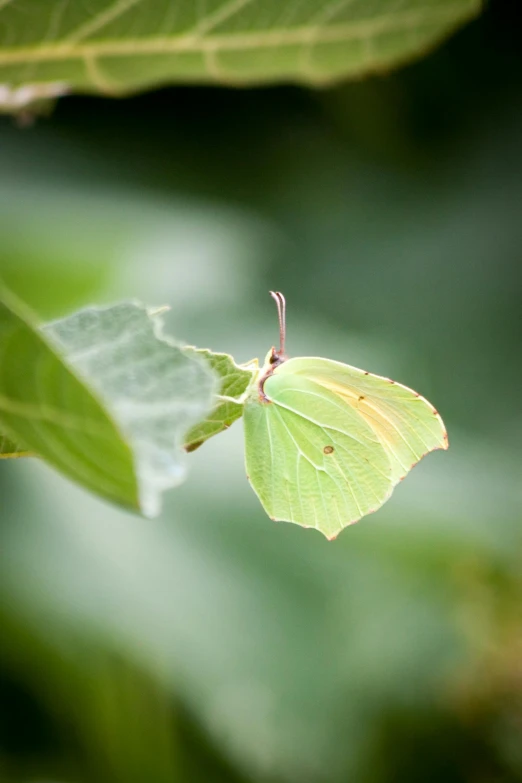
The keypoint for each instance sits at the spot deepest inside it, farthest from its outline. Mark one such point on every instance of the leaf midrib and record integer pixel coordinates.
(236, 41)
(42, 412)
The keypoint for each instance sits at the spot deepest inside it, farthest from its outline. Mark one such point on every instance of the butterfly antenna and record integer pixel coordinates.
(281, 312)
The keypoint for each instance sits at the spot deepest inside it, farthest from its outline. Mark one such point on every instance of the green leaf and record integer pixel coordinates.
(120, 46)
(235, 379)
(102, 396)
(9, 449)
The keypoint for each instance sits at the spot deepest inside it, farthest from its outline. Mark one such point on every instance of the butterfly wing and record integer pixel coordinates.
(405, 423)
(332, 441)
(311, 458)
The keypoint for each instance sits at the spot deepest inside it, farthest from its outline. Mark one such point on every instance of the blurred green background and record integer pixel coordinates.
(212, 644)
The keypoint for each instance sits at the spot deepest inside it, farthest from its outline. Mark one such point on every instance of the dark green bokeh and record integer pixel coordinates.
(213, 644)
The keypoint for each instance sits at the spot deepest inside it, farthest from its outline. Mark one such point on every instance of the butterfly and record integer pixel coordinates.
(326, 443)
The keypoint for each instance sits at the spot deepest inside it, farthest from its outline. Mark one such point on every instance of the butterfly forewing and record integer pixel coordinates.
(405, 423)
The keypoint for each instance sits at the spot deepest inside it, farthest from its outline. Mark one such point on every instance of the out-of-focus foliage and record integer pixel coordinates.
(212, 644)
(50, 47)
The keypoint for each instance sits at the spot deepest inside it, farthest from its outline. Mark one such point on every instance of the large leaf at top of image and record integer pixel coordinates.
(103, 397)
(117, 46)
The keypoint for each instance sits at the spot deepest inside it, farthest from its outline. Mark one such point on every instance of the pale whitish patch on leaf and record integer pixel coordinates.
(123, 46)
(13, 99)
(234, 381)
(148, 384)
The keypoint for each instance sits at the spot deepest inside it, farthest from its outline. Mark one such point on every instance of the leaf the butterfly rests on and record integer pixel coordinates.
(234, 381)
(326, 443)
(103, 396)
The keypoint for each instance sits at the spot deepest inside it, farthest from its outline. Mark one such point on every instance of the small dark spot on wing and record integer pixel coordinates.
(362, 397)
(328, 449)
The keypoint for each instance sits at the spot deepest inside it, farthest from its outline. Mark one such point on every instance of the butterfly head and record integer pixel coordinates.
(275, 356)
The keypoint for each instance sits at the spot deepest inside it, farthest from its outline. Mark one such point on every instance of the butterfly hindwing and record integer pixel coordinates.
(311, 458)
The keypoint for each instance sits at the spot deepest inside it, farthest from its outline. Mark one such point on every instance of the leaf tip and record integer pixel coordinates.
(193, 446)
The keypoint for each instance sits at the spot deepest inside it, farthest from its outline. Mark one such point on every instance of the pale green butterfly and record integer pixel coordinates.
(326, 443)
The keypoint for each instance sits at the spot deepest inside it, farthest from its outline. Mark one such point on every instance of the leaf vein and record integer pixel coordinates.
(234, 41)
